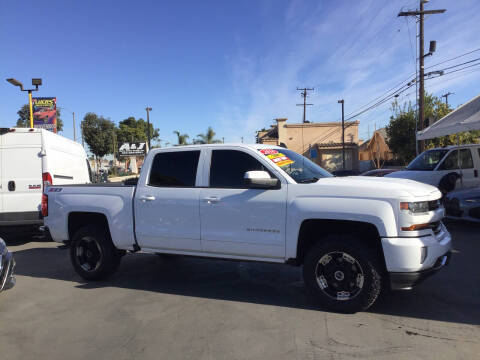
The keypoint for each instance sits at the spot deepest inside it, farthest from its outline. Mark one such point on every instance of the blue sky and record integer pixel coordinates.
(232, 65)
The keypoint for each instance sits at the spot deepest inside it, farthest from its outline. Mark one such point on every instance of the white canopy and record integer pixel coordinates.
(465, 118)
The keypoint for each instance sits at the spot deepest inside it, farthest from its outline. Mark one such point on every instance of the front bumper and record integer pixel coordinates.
(7, 267)
(409, 260)
(406, 280)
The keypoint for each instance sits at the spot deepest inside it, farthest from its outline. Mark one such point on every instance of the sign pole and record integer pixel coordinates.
(31, 108)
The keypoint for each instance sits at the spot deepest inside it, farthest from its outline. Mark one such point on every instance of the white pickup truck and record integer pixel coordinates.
(354, 236)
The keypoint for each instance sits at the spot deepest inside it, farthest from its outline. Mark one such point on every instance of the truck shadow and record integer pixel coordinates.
(453, 295)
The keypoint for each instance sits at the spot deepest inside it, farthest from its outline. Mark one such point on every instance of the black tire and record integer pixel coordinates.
(93, 255)
(448, 182)
(358, 274)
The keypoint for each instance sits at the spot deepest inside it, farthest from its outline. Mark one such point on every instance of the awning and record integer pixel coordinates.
(465, 118)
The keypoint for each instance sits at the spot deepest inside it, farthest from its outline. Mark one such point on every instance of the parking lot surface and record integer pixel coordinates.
(185, 308)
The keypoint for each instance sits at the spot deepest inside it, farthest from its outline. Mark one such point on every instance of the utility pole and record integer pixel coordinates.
(446, 97)
(242, 139)
(81, 131)
(148, 125)
(343, 132)
(74, 133)
(421, 95)
(304, 94)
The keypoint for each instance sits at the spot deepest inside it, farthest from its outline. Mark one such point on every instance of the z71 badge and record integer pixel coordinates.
(52, 189)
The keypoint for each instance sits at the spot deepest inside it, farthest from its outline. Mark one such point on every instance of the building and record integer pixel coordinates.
(321, 142)
(376, 150)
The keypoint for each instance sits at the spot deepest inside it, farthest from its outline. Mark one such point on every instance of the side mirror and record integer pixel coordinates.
(259, 180)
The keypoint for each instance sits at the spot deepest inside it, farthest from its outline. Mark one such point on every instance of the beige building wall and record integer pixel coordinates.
(299, 137)
(325, 137)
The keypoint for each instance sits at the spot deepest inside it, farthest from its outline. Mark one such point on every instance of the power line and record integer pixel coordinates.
(456, 57)
(399, 87)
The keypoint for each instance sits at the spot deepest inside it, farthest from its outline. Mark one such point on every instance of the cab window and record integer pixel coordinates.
(228, 168)
(451, 161)
(174, 169)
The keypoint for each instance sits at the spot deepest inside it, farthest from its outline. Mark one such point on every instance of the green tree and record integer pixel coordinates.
(401, 132)
(181, 138)
(401, 129)
(207, 138)
(98, 134)
(132, 130)
(24, 118)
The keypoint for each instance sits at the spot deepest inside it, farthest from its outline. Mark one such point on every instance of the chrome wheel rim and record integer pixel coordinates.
(339, 275)
(88, 254)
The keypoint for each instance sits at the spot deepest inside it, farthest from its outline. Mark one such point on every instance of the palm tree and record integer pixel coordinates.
(182, 138)
(207, 138)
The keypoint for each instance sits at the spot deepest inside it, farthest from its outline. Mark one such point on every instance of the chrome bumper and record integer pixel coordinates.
(7, 267)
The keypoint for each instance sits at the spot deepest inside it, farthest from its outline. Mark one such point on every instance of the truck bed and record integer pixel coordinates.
(116, 205)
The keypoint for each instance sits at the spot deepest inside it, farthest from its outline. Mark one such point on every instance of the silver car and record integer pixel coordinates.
(7, 266)
(463, 204)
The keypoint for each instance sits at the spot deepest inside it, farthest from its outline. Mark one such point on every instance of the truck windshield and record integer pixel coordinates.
(300, 169)
(427, 161)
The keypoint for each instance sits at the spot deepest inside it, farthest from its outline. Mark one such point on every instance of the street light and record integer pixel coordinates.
(35, 82)
(343, 133)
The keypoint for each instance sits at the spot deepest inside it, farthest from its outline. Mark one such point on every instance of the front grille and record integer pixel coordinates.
(433, 205)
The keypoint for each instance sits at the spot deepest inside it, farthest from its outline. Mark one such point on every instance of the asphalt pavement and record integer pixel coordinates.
(187, 308)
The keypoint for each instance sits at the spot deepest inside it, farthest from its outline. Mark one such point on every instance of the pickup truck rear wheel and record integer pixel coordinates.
(92, 253)
(342, 273)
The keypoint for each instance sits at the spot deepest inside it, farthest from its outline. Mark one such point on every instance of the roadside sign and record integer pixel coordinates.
(45, 113)
(132, 149)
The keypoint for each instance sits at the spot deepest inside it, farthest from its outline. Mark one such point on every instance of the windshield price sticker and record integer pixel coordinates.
(277, 157)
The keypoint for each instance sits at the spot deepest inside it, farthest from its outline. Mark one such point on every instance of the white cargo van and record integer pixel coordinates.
(29, 158)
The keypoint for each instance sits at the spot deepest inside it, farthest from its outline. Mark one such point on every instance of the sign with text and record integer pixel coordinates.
(132, 149)
(45, 113)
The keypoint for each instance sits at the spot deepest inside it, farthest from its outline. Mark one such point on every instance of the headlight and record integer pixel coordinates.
(415, 207)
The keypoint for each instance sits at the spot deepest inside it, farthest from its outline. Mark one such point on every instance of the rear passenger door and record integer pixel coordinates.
(167, 206)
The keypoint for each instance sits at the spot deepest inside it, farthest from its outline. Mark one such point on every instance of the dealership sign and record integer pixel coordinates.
(45, 113)
(132, 149)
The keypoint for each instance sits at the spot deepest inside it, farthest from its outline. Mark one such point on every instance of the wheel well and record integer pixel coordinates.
(313, 230)
(77, 220)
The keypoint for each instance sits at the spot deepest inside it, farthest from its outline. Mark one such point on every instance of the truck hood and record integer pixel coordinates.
(428, 177)
(376, 187)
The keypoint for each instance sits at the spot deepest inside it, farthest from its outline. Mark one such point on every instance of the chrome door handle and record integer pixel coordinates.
(211, 199)
(147, 198)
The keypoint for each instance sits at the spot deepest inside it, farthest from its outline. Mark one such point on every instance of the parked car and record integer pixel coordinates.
(341, 173)
(31, 159)
(463, 204)
(378, 172)
(449, 168)
(7, 267)
(264, 203)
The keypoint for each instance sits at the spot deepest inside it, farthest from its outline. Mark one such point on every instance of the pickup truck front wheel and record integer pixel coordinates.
(342, 273)
(92, 253)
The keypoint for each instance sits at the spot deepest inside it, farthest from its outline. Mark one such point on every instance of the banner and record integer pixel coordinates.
(45, 113)
(132, 149)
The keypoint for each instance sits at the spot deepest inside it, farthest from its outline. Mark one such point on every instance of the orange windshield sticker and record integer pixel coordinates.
(277, 157)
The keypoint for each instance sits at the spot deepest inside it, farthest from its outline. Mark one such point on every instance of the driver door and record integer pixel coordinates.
(236, 220)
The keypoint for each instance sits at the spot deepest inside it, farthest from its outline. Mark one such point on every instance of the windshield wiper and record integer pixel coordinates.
(307, 181)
